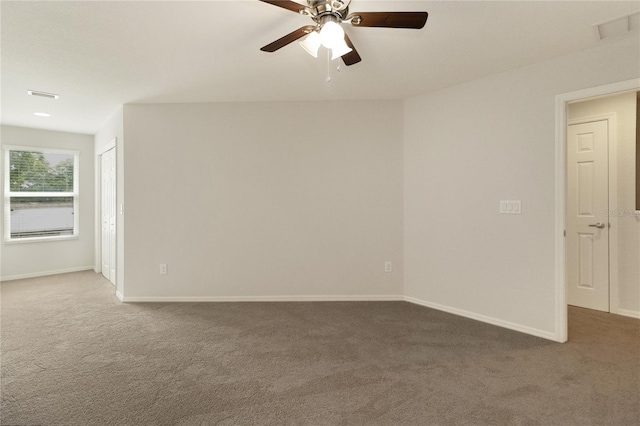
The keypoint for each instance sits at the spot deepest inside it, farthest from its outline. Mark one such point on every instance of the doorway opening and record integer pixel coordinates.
(562, 192)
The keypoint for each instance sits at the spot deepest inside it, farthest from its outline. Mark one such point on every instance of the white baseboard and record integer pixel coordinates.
(46, 273)
(337, 298)
(483, 318)
(346, 298)
(627, 313)
(119, 295)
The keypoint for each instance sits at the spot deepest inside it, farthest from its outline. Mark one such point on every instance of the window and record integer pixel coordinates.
(40, 193)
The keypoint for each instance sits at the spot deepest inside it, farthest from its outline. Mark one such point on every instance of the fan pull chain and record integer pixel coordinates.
(328, 66)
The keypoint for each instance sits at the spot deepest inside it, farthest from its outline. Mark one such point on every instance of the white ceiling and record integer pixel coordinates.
(100, 55)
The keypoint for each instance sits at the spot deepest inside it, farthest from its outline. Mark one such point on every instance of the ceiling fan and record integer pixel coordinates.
(327, 31)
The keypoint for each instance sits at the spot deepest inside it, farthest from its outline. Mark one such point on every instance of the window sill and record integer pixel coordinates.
(41, 239)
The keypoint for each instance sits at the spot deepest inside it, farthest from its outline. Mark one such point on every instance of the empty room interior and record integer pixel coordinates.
(323, 212)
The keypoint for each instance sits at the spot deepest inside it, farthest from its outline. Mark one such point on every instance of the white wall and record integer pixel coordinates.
(22, 260)
(628, 230)
(470, 146)
(112, 129)
(263, 200)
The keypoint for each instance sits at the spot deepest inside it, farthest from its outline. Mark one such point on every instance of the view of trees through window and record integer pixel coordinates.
(41, 186)
(39, 172)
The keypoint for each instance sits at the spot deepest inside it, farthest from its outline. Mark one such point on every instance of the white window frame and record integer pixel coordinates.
(8, 193)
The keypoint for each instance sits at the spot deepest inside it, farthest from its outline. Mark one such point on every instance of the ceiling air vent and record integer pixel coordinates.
(43, 94)
(618, 26)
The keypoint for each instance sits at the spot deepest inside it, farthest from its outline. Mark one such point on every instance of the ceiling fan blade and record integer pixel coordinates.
(352, 57)
(286, 4)
(414, 20)
(289, 38)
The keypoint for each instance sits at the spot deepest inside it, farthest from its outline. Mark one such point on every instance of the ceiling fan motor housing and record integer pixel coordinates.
(319, 9)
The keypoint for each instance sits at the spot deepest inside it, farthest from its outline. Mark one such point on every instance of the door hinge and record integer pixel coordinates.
(565, 232)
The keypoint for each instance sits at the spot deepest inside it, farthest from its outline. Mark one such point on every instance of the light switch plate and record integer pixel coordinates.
(511, 207)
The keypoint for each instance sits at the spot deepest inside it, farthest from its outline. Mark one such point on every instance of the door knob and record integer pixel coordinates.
(598, 225)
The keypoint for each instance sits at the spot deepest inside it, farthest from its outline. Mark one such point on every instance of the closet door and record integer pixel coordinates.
(108, 211)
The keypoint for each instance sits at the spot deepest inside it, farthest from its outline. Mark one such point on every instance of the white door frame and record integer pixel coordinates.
(98, 203)
(562, 100)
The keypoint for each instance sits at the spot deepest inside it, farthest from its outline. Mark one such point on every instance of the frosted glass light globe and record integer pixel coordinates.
(311, 44)
(331, 35)
(341, 49)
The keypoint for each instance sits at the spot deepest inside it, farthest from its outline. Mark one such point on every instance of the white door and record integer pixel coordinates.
(108, 211)
(587, 218)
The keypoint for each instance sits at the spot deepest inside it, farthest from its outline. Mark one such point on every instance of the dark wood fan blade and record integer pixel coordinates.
(289, 38)
(286, 4)
(414, 20)
(352, 57)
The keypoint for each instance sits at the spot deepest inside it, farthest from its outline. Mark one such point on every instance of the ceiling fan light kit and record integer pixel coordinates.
(328, 16)
(331, 36)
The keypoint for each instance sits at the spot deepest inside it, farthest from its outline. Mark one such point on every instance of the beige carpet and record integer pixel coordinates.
(72, 354)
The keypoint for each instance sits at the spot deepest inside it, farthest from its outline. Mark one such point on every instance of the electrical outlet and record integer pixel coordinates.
(388, 266)
(163, 269)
